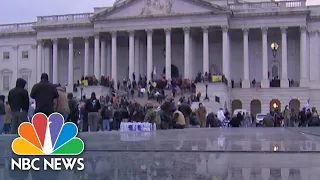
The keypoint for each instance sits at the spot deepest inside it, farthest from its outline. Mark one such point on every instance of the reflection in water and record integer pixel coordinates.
(183, 156)
(170, 166)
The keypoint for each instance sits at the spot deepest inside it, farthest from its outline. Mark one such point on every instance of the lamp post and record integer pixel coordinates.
(207, 97)
(274, 46)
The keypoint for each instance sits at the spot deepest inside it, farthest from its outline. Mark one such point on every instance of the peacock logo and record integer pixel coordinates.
(47, 136)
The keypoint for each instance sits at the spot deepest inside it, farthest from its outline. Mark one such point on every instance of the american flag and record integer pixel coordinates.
(307, 105)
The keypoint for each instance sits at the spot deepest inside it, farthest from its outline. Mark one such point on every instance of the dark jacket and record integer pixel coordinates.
(2, 105)
(235, 121)
(92, 104)
(314, 121)
(268, 121)
(212, 121)
(44, 93)
(18, 97)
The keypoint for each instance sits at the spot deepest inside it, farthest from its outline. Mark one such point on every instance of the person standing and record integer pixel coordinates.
(44, 93)
(202, 113)
(61, 104)
(92, 107)
(107, 117)
(2, 112)
(7, 119)
(18, 99)
(221, 115)
(286, 116)
(73, 107)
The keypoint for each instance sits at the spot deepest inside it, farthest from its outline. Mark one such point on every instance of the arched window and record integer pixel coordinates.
(26, 75)
(6, 76)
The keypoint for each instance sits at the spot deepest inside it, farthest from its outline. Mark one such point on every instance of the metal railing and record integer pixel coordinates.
(64, 18)
(18, 27)
(267, 5)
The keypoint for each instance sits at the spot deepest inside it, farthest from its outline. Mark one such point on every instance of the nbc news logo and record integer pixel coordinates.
(48, 136)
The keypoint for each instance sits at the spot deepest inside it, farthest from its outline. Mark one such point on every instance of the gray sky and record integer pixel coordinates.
(16, 11)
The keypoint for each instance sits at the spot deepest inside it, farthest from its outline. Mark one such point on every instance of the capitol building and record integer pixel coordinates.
(245, 40)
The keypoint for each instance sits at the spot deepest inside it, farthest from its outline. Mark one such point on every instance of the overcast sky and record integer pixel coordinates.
(16, 11)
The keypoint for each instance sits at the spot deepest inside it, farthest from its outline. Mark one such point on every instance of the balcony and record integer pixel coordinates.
(64, 19)
(16, 28)
(268, 5)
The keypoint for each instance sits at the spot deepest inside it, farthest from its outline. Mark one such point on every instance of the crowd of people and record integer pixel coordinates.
(289, 118)
(106, 113)
(93, 115)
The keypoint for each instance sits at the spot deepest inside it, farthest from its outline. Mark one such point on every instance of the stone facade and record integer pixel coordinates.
(195, 35)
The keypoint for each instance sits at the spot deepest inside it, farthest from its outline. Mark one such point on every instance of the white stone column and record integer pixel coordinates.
(143, 59)
(186, 52)
(103, 57)
(108, 58)
(284, 63)
(149, 54)
(131, 54)
(225, 53)
(39, 59)
(246, 79)
(304, 81)
(86, 56)
(70, 65)
(265, 81)
(55, 61)
(168, 53)
(114, 57)
(316, 64)
(205, 49)
(97, 56)
(137, 57)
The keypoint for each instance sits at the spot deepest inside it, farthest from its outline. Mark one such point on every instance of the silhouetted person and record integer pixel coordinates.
(44, 93)
(18, 99)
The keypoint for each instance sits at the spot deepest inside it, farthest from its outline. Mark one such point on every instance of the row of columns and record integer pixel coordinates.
(99, 65)
(99, 62)
(284, 57)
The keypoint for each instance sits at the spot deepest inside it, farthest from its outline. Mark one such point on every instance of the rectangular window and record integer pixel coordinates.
(6, 83)
(26, 78)
(6, 55)
(25, 54)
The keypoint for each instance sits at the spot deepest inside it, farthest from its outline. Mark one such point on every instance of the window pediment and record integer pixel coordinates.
(25, 71)
(6, 72)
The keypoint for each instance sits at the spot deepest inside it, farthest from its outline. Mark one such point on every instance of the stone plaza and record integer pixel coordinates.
(214, 153)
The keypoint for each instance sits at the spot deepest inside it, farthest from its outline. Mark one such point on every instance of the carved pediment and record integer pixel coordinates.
(143, 8)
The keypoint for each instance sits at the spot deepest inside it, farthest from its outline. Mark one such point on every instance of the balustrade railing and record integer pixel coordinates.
(267, 5)
(19, 27)
(63, 18)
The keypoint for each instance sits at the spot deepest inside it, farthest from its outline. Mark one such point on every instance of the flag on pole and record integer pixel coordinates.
(154, 70)
(307, 105)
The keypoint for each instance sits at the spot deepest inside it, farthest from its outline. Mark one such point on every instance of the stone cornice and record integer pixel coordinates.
(161, 16)
(271, 13)
(314, 17)
(8, 34)
(54, 26)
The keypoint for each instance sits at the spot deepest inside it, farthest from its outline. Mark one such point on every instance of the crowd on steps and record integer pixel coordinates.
(105, 113)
